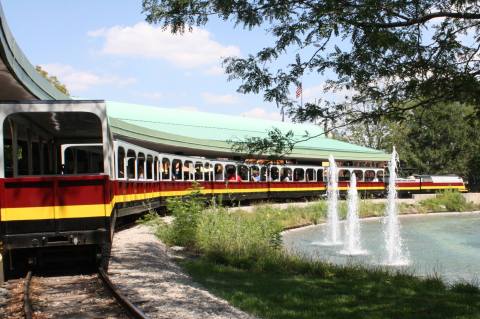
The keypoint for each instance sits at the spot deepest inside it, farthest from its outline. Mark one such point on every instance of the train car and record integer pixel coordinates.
(66, 178)
(424, 184)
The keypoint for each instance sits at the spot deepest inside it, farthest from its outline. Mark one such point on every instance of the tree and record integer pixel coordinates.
(53, 80)
(442, 140)
(384, 51)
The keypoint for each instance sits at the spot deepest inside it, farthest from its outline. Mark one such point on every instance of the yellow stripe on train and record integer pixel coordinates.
(54, 212)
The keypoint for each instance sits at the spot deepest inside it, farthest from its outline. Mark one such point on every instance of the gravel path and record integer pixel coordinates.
(144, 270)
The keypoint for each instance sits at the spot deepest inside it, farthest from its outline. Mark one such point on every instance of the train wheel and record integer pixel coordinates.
(103, 257)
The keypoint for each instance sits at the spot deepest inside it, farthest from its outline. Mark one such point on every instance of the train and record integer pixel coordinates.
(67, 179)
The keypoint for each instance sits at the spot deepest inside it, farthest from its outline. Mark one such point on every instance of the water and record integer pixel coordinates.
(446, 245)
(352, 243)
(396, 254)
(333, 226)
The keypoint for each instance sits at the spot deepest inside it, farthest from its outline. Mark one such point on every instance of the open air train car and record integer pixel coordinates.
(65, 179)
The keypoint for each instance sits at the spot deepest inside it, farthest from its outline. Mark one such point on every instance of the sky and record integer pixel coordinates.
(106, 50)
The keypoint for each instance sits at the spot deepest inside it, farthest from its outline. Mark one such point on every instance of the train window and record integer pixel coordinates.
(188, 171)
(243, 172)
(263, 174)
(32, 143)
(286, 174)
(207, 172)
(155, 169)
(177, 168)
(121, 163)
(219, 172)
(299, 175)
(199, 171)
(165, 169)
(359, 175)
(131, 164)
(310, 175)
(254, 173)
(343, 175)
(231, 173)
(380, 176)
(320, 175)
(274, 174)
(141, 166)
(369, 176)
(149, 167)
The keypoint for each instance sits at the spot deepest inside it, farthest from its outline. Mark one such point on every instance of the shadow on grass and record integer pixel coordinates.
(337, 293)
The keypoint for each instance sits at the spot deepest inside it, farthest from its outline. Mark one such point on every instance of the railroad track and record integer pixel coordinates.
(82, 296)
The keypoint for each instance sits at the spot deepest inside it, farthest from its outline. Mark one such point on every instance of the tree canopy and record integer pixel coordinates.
(385, 52)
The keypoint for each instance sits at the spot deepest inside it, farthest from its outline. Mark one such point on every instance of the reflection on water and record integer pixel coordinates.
(447, 245)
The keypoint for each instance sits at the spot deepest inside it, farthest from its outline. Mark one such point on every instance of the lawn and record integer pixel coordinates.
(339, 293)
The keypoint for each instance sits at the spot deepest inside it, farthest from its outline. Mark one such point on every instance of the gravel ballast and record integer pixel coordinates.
(145, 271)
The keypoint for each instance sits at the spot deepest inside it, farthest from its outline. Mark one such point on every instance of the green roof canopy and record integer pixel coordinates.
(209, 131)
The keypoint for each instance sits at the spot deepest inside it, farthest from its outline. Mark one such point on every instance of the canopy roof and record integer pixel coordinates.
(211, 132)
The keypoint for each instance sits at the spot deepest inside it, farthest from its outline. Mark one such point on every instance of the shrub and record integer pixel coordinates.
(187, 211)
(446, 201)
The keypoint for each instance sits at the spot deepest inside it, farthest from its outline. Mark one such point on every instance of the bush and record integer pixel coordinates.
(449, 201)
(237, 239)
(187, 211)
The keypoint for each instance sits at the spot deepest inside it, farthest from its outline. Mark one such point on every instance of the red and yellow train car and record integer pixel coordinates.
(67, 176)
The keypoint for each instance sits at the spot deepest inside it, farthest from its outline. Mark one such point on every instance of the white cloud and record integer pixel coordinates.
(260, 113)
(154, 96)
(214, 70)
(189, 50)
(219, 99)
(80, 80)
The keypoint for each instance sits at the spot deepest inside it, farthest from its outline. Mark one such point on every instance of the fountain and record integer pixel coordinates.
(333, 227)
(352, 244)
(395, 254)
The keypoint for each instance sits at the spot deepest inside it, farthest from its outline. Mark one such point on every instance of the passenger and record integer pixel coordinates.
(255, 176)
(140, 173)
(232, 176)
(287, 177)
(177, 173)
(218, 173)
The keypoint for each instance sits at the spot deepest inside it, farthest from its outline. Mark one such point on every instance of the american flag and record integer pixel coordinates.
(298, 92)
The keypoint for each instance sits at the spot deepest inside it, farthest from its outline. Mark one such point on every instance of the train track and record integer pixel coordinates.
(85, 296)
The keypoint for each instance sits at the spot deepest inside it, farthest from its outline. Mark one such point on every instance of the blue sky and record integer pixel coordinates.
(105, 50)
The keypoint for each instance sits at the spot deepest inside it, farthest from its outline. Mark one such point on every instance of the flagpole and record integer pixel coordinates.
(301, 96)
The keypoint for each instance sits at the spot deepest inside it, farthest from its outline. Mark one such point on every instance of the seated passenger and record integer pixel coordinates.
(219, 173)
(177, 173)
(287, 177)
(255, 176)
(232, 176)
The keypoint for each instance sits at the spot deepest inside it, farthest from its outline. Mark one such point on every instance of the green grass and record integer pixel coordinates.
(336, 292)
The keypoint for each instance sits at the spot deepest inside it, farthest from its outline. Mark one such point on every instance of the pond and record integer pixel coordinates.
(444, 244)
